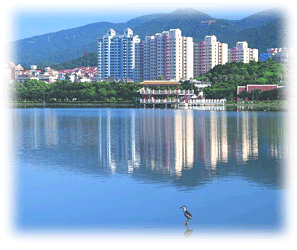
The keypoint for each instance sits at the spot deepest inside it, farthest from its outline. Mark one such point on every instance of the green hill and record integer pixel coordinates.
(259, 19)
(261, 30)
(89, 60)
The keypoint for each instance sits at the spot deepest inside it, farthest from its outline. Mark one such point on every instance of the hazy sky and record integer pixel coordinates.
(39, 22)
(36, 19)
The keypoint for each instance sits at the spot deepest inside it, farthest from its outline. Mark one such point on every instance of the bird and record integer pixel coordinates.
(187, 214)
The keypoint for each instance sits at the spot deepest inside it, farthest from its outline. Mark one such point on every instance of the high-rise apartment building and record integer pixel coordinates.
(168, 55)
(139, 60)
(209, 53)
(116, 55)
(241, 53)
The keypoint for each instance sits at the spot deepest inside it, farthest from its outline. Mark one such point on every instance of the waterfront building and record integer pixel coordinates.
(209, 53)
(167, 55)
(116, 55)
(166, 95)
(251, 87)
(241, 53)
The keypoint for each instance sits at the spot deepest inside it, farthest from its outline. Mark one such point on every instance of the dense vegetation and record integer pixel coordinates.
(65, 91)
(89, 60)
(262, 31)
(39, 91)
(226, 78)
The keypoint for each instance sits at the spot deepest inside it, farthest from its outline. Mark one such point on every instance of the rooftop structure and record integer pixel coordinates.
(159, 83)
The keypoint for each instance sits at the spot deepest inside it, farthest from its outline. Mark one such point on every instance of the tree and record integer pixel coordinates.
(256, 94)
(244, 94)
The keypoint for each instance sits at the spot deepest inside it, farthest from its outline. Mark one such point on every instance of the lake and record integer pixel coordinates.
(113, 170)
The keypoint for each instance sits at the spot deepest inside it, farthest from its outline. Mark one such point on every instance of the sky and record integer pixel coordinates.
(42, 21)
(35, 18)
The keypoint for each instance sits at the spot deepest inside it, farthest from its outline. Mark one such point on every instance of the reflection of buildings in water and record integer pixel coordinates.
(277, 150)
(35, 126)
(135, 158)
(224, 138)
(117, 142)
(200, 142)
(207, 141)
(167, 143)
(218, 139)
(155, 141)
(247, 137)
(163, 142)
(211, 139)
(277, 136)
(183, 140)
(178, 141)
(36, 130)
(189, 139)
(51, 128)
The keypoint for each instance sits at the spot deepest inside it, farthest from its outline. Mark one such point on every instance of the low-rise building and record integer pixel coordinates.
(47, 75)
(11, 71)
(251, 87)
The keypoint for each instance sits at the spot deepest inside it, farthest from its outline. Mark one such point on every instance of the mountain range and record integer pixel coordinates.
(262, 30)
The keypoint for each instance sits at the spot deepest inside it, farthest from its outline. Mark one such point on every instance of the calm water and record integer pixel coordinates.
(131, 169)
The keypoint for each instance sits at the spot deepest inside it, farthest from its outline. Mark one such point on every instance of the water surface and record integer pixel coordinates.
(132, 169)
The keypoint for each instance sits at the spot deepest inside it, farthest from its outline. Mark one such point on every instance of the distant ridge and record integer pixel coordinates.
(259, 19)
(64, 45)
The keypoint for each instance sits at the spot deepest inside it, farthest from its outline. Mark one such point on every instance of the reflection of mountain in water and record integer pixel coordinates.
(186, 148)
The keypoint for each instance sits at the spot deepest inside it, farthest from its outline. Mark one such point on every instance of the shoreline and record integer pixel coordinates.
(230, 106)
(71, 105)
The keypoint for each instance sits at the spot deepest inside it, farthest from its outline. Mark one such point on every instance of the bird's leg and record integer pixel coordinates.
(186, 223)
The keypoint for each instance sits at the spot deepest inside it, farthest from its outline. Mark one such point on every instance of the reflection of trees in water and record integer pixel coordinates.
(184, 147)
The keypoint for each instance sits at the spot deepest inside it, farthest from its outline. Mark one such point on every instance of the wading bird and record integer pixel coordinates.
(187, 215)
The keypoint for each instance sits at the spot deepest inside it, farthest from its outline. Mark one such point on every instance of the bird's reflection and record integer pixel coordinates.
(188, 232)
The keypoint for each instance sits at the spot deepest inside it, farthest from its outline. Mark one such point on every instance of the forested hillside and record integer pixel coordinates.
(88, 60)
(226, 78)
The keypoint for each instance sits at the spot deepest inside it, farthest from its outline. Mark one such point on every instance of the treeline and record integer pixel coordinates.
(39, 91)
(225, 78)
